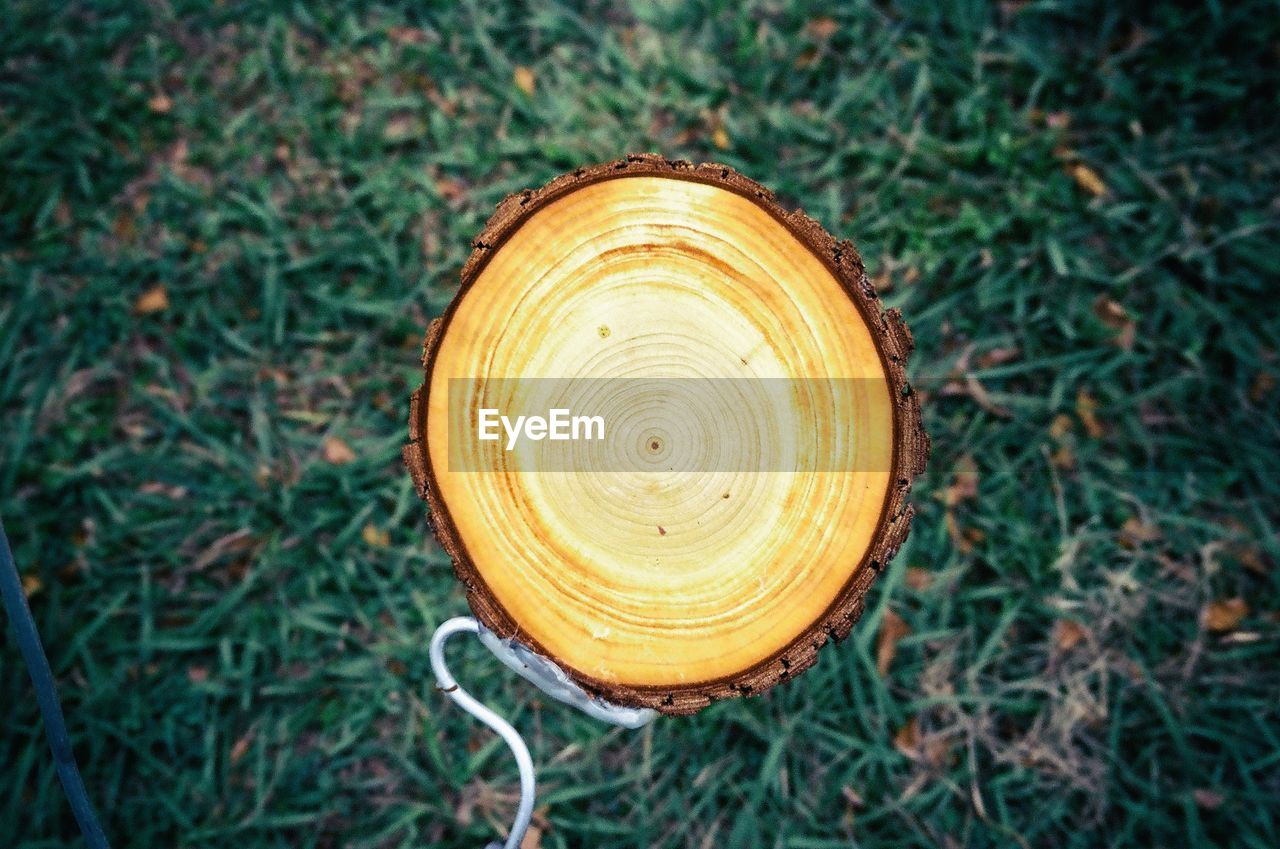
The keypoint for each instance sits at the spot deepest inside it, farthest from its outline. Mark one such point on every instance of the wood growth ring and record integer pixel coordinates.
(669, 589)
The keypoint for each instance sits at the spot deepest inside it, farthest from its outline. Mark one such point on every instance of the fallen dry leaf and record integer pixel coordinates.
(933, 749)
(197, 674)
(1252, 559)
(240, 748)
(1088, 179)
(170, 491)
(807, 59)
(124, 227)
(31, 584)
(1176, 568)
(963, 538)
(964, 482)
(918, 578)
(337, 452)
(998, 356)
(1010, 8)
(1210, 800)
(892, 629)
(1064, 458)
(1087, 411)
(883, 279)
(1264, 382)
(407, 35)
(525, 79)
(973, 388)
(1057, 120)
(399, 127)
(232, 543)
(439, 101)
(1135, 532)
(155, 299)
(1067, 634)
(532, 838)
(1116, 317)
(937, 749)
(1109, 312)
(960, 537)
(1061, 426)
(720, 138)
(85, 534)
(161, 104)
(450, 189)
(907, 740)
(822, 28)
(375, 536)
(1224, 614)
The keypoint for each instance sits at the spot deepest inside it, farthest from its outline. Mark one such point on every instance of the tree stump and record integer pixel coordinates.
(653, 588)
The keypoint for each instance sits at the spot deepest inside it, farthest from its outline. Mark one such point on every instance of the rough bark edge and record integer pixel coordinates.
(911, 443)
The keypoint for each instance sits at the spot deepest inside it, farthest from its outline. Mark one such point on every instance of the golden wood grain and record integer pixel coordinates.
(646, 583)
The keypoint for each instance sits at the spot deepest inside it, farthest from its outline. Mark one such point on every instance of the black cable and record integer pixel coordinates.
(55, 726)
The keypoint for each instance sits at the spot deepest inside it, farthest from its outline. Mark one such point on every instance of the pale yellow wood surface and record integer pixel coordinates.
(656, 579)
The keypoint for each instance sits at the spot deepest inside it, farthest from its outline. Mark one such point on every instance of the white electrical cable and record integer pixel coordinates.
(544, 674)
(464, 700)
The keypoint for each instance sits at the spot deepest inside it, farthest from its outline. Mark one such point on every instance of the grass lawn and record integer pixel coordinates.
(223, 230)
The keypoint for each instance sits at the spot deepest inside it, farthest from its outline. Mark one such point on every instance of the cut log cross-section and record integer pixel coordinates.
(652, 587)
